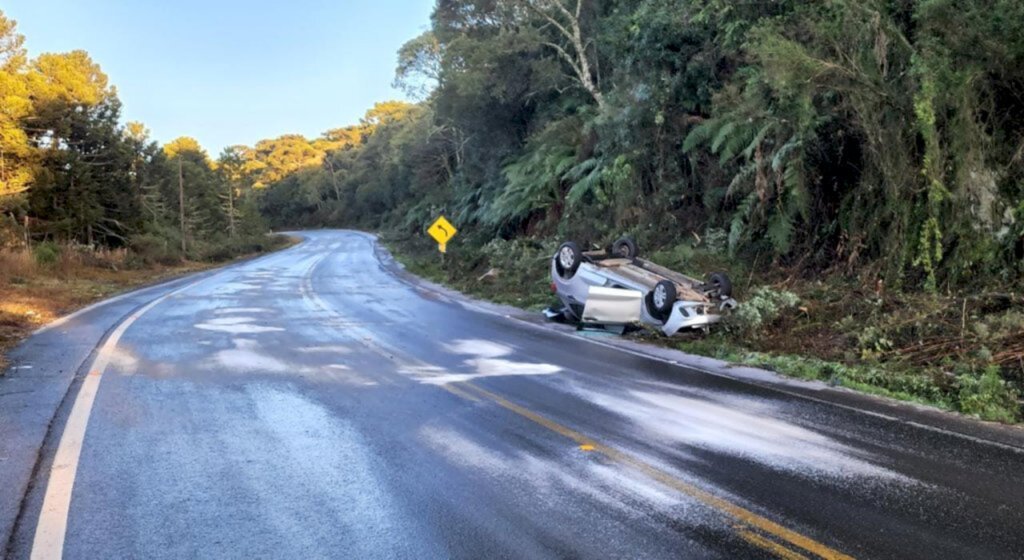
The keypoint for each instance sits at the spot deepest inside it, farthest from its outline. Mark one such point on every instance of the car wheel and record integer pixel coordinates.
(567, 259)
(719, 283)
(626, 248)
(661, 299)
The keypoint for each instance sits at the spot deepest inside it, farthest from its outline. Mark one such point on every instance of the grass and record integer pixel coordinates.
(40, 285)
(958, 352)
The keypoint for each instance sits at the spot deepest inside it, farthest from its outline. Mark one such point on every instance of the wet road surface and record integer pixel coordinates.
(312, 404)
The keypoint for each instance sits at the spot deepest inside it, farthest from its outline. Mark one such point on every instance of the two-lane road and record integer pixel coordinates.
(311, 404)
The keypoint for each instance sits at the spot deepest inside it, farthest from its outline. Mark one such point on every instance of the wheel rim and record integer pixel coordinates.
(566, 258)
(659, 297)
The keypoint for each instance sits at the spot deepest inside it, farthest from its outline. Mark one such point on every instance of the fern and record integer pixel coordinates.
(748, 152)
(588, 183)
(796, 189)
(784, 153)
(737, 226)
(742, 177)
(700, 135)
(736, 142)
(722, 136)
(780, 231)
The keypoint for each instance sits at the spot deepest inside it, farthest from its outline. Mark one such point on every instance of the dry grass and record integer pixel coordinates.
(33, 294)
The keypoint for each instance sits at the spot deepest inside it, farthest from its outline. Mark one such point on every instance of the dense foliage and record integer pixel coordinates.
(881, 137)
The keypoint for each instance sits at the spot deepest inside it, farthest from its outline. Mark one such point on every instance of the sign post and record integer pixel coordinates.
(442, 231)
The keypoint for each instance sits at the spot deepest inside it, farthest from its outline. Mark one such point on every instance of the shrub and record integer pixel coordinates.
(873, 342)
(154, 249)
(716, 240)
(678, 257)
(760, 309)
(46, 253)
(988, 396)
(518, 260)
(522, 271)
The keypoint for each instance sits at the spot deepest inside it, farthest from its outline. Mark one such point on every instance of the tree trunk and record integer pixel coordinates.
(231, 210)
(334, 179)
(181, 203)
(567, 22)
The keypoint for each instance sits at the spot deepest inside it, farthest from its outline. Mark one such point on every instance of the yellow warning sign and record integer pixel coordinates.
(442, 231)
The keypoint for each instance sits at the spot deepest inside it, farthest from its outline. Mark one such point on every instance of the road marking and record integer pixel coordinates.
(459, 392)
(586, 447)
(48, 543)
(739, 513)
(768, 544)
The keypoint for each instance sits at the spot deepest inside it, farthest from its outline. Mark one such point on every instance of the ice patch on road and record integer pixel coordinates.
(565, 477)
(236, 325)
(487, 361)
(238, 329)
(458, 449)
(230, 320)
(745, 429)
(344, 374)
(327, 467)
(234, 287)
(326, 349)
(249, 356)
(232, 310)
(481, 348)
(246, 355)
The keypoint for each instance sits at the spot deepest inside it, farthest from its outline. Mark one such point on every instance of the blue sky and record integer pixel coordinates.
(231, 71)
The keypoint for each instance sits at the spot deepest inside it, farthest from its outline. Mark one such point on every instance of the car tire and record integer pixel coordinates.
(661, 299)
(626, 248)
(568, 259)
(719, 283)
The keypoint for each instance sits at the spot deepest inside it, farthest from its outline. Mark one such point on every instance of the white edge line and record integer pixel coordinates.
(51, 528)
(61, 320)
(48, 543)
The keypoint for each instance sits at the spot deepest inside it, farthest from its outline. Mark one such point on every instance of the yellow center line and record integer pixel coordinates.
(451, 388)
(770, 545)
(737, 512)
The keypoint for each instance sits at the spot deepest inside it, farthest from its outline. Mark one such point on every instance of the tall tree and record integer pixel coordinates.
(575, 48)
(15, 106)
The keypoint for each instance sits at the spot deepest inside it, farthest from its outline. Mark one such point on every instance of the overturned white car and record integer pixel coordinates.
(615, 286)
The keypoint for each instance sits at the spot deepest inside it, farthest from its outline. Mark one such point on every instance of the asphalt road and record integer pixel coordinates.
(315, 404)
